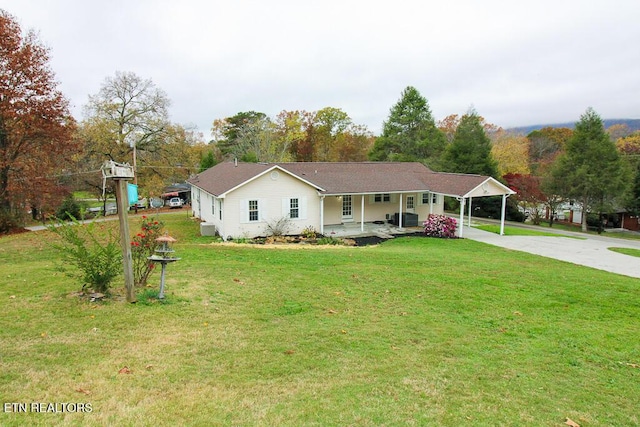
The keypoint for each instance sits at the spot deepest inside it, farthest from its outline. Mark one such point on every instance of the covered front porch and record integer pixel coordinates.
(383, 230)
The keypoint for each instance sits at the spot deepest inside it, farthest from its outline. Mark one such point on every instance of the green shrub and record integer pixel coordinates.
(69, 210)
(97, 262)
(309, 232)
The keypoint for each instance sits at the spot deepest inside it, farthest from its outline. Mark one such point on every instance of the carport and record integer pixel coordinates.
(467, 187)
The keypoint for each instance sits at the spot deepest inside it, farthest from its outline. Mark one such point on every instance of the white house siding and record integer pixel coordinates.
(271, 191)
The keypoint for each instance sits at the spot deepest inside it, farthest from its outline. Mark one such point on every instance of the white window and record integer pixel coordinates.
(220, 209)
(382, 198)
(253, 210)
(426, 196)
(294, 208)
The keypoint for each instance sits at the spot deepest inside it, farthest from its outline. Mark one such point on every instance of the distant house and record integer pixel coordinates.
(242, 199)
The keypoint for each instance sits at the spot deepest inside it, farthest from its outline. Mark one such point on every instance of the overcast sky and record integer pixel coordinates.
(517, 63)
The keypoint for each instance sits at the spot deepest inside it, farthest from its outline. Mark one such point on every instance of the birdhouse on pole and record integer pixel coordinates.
(114, 170)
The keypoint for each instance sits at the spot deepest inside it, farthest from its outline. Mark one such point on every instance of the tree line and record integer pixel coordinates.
(45, 153)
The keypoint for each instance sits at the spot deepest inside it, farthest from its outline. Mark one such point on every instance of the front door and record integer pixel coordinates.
(411, 204)
(347, 208)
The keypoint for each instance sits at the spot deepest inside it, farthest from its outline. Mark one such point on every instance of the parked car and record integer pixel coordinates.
(175, 202)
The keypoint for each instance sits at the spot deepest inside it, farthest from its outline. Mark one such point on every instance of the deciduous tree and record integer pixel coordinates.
(36, 126)
(529, 196)
(545, 144)
(130, 116)
(511, 153)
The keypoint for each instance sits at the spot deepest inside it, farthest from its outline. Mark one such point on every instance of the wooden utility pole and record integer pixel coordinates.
(121, 174)
(122, 200)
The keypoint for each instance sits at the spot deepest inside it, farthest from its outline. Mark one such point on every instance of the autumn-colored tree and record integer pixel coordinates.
(329, 124)
(545, 144)
(617, 131)
(290, 130)
(353, 145)
(449, 124)
(529, 195)
(511, 151)
(629, 145)
(36, 126)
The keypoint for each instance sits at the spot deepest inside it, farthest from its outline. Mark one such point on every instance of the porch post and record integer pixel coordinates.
(321, 214)
(470, 203)
(502, 215)
(400, 214)
(461, 223)
(362, 213)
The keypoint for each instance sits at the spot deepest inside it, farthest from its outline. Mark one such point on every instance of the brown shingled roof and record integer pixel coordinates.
(343, 178)
(454, 184)
(362, 177)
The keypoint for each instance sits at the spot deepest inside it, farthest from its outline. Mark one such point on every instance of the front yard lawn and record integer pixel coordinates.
(415, 331)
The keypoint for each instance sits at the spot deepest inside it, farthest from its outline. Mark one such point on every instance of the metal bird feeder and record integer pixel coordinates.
(163, 257)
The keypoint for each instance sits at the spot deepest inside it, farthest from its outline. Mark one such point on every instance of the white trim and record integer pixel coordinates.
(461, 223)
(362, 213)
(500, 185)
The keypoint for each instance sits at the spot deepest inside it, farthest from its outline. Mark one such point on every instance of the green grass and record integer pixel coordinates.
(517, 231)
(415, 331)
(627, 251)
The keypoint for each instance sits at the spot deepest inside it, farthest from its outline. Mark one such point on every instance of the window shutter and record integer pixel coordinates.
(302, 207)
(285, 207)
(262, 210)
(244, 211)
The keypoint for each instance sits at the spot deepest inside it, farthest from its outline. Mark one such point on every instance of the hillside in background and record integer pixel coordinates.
(633, 124)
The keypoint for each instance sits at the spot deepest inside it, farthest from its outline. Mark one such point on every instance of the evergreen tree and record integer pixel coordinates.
(470, 150)
(590, 170)
(410, 132)
(207, 161)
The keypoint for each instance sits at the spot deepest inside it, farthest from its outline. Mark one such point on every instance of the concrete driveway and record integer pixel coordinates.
(583, 249)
